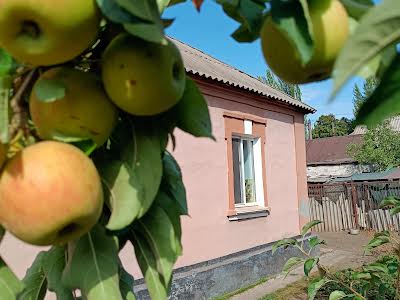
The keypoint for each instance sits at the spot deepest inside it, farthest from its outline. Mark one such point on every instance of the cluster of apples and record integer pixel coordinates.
(330, 30)
(51, 192)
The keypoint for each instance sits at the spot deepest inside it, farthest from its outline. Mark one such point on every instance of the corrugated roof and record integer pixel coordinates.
(331, 150)
(394, 123)
(202, 64)
(390, 174)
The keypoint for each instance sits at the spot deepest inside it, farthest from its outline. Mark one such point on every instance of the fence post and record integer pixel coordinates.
(354, 204)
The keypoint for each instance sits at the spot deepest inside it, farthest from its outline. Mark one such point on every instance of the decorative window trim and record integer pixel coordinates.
(235, 125)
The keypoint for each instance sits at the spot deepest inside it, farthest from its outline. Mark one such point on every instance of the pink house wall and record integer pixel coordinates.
(207, 233)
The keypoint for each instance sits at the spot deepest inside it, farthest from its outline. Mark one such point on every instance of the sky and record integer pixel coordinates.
(210, 32)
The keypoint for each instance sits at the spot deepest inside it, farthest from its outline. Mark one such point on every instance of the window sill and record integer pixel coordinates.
(249, 212)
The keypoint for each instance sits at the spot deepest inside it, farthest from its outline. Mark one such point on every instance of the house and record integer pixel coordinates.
(245, 191)
(393, 123)
(327, 158)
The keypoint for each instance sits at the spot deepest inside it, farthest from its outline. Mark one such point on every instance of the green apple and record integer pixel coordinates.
(84, 112)
(47, 32)
(330, 26)
(143, 78)
(50, 193)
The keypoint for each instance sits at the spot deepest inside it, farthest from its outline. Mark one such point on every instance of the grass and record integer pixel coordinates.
(243, 289)
(296, 290)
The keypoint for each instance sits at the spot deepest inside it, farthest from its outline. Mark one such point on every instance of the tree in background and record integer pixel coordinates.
(380, 148)
(329, 125)
(359, 97)
(292, 90)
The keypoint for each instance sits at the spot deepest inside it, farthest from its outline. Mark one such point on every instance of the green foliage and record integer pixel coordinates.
(5, 95)
(10, 285)
(380, 147)
(93, 266)
(35, 280)
(360, 97)
(290, 89)
(329, 125)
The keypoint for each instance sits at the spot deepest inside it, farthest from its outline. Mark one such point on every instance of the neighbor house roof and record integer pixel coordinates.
(201, 64)
(390, 174)
(394, 123)
(331, 150)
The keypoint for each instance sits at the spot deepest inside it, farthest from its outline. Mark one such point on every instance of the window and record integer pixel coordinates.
(245, 136)
(243, 170)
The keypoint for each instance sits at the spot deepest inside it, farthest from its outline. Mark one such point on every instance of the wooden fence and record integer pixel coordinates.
(342, 206)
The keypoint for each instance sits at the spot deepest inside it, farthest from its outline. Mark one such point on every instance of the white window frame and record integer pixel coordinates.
(256, 169)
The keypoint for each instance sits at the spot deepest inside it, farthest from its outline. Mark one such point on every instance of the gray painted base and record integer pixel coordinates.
(222, 275)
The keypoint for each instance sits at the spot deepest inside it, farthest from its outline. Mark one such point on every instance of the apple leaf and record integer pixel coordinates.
(357, 8)
(53, 266)
(10, 285)
(5, 92)
(126, 283)
(148, 264)
(35, 280)
(6, 63)
(92, 266)
(149, 32)
(139, 8)
(249, 13)
(384, 101)
(87, 146)
(172, 209)
(297, 25)
(114, 12)
(377, 30)
(192, 112)
(49, 90)
(172, 182)
(2, 233)
(132, 181)
(157, 232)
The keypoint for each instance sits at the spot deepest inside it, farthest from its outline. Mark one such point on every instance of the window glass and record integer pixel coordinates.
(249, 180)
(236, 145)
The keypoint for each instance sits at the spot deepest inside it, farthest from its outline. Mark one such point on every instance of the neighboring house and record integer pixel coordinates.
(327, 158)
(393, 122)
(245, 191)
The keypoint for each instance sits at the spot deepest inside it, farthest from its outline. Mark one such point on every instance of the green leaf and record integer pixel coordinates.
(53, 265)
(142, 9)
(172, 209)
(283, 243)
(6, 63)
(152, 28)
(249, 13)
(310, 264)
(10, 285)
(158, 230)
(314, 287)
(49, 90)
(361, 276)
(35, 280)
(192, 112)
(5, 94)
(309, 225)
(297, 25)
(376, 242)
(93, 266)
(337, 295)
(376, 267)
(148, 264)
(357, 8)
(133, 181)
(172, 182)
(115, 12)
(126, 283)
(291, 264)
(389, 201)
(87, 146)
(383, 103)
(378, 29)
(2, 233)
(314, 241)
